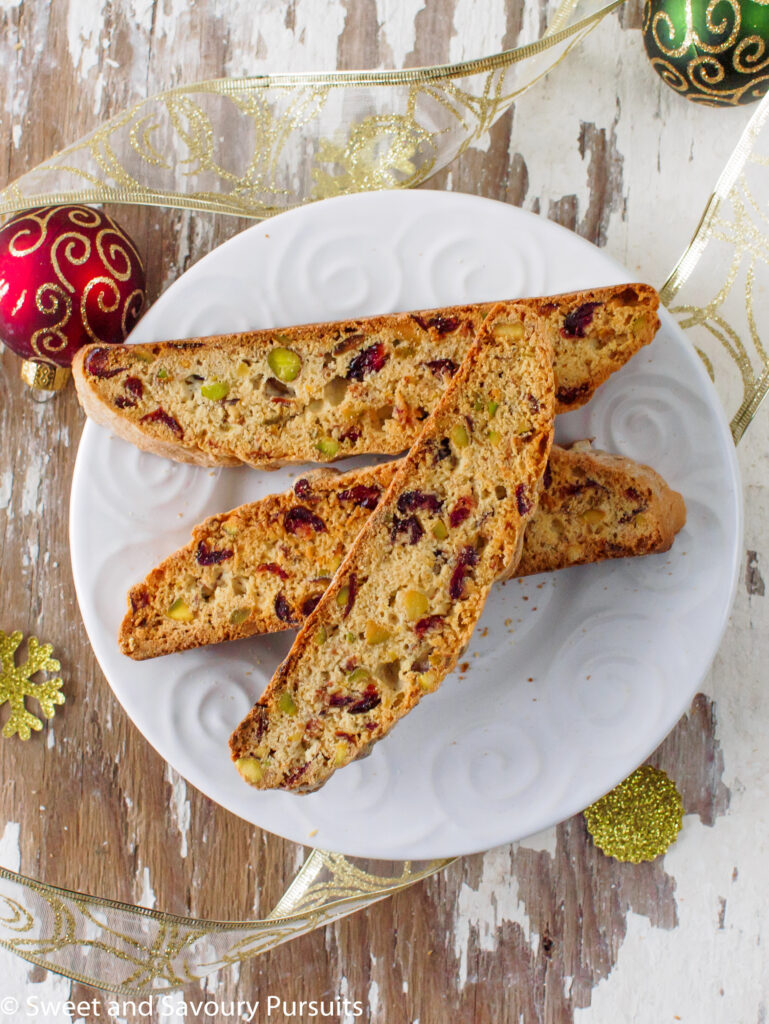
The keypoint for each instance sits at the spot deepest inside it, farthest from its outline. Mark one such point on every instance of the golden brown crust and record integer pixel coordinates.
(593, 506)
(404, 602)
(361, 386)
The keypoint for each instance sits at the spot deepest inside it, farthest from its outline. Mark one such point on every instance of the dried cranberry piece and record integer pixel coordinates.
(547, 478)
(442, 367)
(206, 556)
(443, 450)
(410, 526)
(567, 396)
(533, 404)
(370, 360)
(161, 416)
(260, 717)
(139, 598)
(340, 700)
(302, 521)
(125, 403)
(342, 735)
(632, 493)
(633, 513)
(283, 609)
(352, 434)
(134, 385)
(352, 590)
(295, 775)
(468, 557)
(310, 604)
(574, 323)
(96, 364)
(444, 324)
(441, 324)
(367, 702)
(362, 495)
(302, 488)
(409, 501)
(522, 500)
(274, 568)
(427, 623)
(460, 511)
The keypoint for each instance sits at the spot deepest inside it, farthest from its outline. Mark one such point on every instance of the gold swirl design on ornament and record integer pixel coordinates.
(108, 285)
(131, 309)
(69, 241)
(749, 63)
(720, 27)
(691, 37)
(50, 300)
(84, 217)
(15, 245)
(672, 76)
(705, 72)
(114, 255)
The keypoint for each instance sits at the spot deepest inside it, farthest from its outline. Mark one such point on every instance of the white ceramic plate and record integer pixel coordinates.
(574, 677)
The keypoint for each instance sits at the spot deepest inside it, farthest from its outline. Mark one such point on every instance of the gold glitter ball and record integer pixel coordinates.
(16, 683)
(639, 819)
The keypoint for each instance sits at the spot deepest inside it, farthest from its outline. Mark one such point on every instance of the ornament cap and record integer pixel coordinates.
(44, 376)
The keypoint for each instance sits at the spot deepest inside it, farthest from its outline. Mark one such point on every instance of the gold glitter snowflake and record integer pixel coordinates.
(16, 683)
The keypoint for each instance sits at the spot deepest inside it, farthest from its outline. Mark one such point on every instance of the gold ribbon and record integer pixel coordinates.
(135, 951)
(730, 254)
(256, 146)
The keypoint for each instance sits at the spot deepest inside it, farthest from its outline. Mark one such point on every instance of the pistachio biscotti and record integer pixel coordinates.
(263, 566)
(403, 604)
(324, 391)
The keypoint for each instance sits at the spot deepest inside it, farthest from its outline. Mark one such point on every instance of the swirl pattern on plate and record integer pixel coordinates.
(605, 681)
(146, 492)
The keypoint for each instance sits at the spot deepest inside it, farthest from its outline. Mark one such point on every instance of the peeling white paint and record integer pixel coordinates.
(373, 997)
(147, 895)
(482, 911)
(84, 41)
(179, 806)
(10, 846)
(475, 36)
(33, 478)
(6, 487)
(541, 842)
(397, 31)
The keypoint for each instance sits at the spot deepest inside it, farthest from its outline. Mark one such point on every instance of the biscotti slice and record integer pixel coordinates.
(403, 603)
(324, 391)
(263, 566)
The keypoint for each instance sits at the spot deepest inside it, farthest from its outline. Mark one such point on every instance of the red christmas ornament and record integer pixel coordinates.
(69, 275)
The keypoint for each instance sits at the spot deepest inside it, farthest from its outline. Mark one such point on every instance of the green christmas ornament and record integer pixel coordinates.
(710, 51)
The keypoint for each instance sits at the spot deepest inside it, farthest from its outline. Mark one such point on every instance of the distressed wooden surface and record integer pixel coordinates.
(547, 930)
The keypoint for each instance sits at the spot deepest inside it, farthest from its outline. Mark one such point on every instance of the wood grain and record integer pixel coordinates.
(526, 932)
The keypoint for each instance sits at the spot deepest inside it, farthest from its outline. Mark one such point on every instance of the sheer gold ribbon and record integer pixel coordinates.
(256, 146)
(718, 289)
(168, 157)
